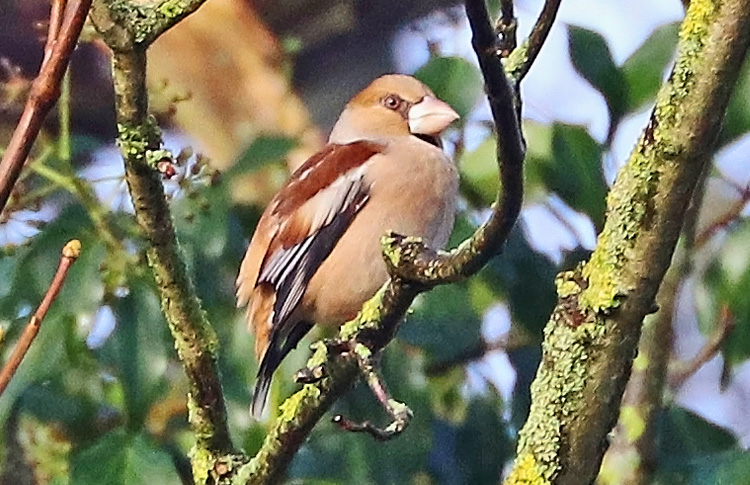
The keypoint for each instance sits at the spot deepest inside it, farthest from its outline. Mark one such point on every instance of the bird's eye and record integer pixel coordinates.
(392, 102)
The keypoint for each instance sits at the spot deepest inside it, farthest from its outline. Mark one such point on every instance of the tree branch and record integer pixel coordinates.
(407, 257)
(631, 458)
(64, 30)
(521, 60)
(592, 335)
(679, 372)
(139, 140)
(70, 254)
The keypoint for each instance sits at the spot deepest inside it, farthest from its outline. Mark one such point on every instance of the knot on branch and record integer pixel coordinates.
(409, 258)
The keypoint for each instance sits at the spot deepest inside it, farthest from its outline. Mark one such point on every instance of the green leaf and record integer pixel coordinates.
(575, 171)
(121, 458)
(454, 80)
(737, 120)
(138, 350)
(726, 284)
(685, 436)
(444, 323)
(479, 171)
(593, 60)
(527, 279)
(263, 150)
(730, 467)
(644, 69)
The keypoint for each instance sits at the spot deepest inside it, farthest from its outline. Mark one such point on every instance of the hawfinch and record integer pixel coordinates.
(315, 256)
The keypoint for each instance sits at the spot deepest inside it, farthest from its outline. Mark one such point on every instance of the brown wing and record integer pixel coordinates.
(294, 236)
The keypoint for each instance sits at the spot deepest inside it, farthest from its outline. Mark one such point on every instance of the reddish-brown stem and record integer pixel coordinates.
(67, 21)
(70, 253)
(53, 30)
(681, 371)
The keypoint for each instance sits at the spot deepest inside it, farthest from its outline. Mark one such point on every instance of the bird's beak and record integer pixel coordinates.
(430, 116)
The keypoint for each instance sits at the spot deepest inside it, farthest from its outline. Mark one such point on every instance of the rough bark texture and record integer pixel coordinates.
(591, 338)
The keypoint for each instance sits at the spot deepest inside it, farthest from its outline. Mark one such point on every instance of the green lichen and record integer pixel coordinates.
(557, 392)
(288, 409)
(202, 462)
(368, 317)
(362, 351)
(319, 356)
(632, 423)
(632, 197)
(526, 472)
(566, 285)
(135, 142)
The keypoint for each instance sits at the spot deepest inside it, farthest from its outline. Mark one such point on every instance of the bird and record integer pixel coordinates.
(315, 256)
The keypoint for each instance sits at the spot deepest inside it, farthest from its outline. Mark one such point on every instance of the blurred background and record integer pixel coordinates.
(245, 91)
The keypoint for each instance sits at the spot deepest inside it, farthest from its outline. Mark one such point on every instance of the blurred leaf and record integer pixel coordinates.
(121, 458)
(727, 283)
(454, 80)
(729, 468)
(138, 350)
(593, 60)
(263, 150)
(737, 119)
(644, 69)
(685, 436)
(575, 173)
(444, 323)
(479, 171)
(341, 457)
(527, 279)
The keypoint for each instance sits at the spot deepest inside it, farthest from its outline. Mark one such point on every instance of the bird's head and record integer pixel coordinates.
(393, 105)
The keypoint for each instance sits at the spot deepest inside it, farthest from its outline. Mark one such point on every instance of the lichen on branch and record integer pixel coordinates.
(590, 340)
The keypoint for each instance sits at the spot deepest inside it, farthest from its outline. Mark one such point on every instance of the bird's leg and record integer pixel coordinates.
(311, 375)
(399, 412)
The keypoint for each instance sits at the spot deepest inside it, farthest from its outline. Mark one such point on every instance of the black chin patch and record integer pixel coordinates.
(432, 140)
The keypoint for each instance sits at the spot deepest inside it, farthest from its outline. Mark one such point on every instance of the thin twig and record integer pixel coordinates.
(44, 91)
(407, 257)
(521, 59)
(679, 372)
(53, 30)
(70, 254)
(506, 28)
(724, 219)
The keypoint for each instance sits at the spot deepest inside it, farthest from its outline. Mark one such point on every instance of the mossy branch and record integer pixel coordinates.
(138, 136)
(591, 338)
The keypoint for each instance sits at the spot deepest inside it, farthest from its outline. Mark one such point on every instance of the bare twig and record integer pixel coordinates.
(521, 59)
(679, 372)
(70, 254)
(44, 90)
(506, 28)
(725, 219)
(407, 257)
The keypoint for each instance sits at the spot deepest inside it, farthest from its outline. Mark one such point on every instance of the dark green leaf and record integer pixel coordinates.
(726, 284)
(121, 458)
(575, 171)
(644, 70)
(138, 349)
(593, 60)
(454, 80)
(263, 150)
(444, 323)
(737, 120)
(685, 436)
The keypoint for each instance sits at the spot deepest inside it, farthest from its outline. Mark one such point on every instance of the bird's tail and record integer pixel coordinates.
(270, 361)
(262, 386)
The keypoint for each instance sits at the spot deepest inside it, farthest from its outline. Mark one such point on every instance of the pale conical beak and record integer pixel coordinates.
(430, 116)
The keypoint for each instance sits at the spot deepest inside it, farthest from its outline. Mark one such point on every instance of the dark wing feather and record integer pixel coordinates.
(303, 235)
